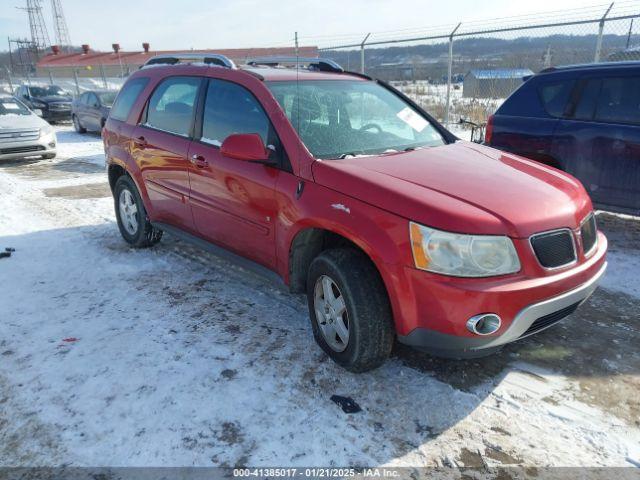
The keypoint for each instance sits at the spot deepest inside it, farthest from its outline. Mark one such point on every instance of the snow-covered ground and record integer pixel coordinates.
(111, 356)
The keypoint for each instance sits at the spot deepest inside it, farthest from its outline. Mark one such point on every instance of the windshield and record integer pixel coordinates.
(10, 106)
(50, 90)
(107, 98)
(340, 118)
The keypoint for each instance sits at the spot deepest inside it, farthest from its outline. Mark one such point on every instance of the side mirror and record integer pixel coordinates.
(37, 111)
(245, 146)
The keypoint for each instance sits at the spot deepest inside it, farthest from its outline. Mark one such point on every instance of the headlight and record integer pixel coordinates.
(37, 104)
(462, 255)
(47, 130)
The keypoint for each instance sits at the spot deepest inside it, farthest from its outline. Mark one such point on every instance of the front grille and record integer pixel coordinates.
(550, 319)
(59, 106)
(554, 249)
(31, 148)
(588, 232)
(19, 135)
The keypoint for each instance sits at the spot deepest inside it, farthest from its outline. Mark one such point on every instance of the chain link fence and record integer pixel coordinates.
(464, 72)
(74, 85)
(457, 72)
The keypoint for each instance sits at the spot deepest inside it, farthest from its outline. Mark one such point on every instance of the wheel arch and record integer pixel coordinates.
(118, 168)
(311, 240)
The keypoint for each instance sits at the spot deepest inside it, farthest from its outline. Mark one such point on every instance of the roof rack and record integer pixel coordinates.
(321, 64)
(206, 58)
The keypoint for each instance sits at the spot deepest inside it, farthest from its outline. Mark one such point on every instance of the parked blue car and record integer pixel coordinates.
(583, 119)
(90, 110)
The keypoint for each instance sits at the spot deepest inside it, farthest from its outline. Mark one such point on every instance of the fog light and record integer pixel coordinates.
(484, 324)
(52, 144)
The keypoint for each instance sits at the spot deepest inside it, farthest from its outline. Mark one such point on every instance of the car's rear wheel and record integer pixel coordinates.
(131, 215)
(349, 308)
(77, 125)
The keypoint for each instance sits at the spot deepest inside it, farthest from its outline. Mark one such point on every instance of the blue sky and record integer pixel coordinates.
(183, 24)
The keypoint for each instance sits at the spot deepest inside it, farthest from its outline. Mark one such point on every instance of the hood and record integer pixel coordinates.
(52, 98)
(462, 187)
(17, 122)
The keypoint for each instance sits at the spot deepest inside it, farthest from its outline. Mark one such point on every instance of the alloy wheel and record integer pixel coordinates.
(331, 313)
(128, 212)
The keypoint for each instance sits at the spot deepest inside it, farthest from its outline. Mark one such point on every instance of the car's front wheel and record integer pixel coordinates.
(77, 126)
(349, 308)
(131, 215)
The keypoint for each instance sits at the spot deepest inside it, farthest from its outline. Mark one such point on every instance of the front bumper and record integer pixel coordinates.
(56, 115)
(532, 319)
(45, 145)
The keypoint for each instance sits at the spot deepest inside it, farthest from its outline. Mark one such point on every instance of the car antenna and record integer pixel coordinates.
(298, 94)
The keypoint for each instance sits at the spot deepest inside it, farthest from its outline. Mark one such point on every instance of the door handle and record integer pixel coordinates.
(199, 161)
(140, 142)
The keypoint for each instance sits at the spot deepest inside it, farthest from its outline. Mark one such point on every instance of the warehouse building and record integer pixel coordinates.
(497, 83)
(118, 63)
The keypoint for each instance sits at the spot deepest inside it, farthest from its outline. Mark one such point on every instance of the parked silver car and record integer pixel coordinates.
(23, 133)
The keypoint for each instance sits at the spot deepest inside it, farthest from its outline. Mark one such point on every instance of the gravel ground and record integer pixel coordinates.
(172, 357)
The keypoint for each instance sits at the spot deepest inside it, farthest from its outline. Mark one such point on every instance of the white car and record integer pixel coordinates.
(23, 133)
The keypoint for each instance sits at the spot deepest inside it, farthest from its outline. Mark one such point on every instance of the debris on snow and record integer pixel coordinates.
(347, 404)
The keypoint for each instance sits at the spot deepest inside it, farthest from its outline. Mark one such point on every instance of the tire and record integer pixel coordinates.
(77, 126)
(132, 218)
(367, 313)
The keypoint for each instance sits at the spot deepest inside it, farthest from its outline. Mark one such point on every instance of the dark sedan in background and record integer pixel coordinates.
(90, 110)
(53, 101)
(583, 119)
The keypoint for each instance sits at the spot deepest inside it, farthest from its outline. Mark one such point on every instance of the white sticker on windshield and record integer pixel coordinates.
(11, 106)
(412, 119)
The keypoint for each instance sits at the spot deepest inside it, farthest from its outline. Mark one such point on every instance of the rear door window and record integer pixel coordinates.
(555, 96)
(92, 100)
(619, 100)
(588, 98)
(172, 105)
(126, 98)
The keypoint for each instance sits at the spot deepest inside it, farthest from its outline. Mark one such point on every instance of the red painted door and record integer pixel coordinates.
(233, 201)
(161, 148)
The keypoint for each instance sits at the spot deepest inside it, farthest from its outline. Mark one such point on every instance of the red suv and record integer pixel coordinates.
(352, 194)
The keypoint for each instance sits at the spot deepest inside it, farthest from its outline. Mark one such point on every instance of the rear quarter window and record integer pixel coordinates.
(524, 102)
(126, 98)
(555, 96)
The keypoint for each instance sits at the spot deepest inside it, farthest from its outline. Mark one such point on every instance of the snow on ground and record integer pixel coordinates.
(169, 356)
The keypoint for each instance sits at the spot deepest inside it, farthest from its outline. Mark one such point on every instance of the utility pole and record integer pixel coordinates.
(362, 52)
(596, 59)
(547, 57)
(60, 26)
(450, 74)
(630, 33)
(39, 34)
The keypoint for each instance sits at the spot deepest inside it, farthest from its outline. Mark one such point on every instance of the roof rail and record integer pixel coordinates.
(206, 58)
(321, 64)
